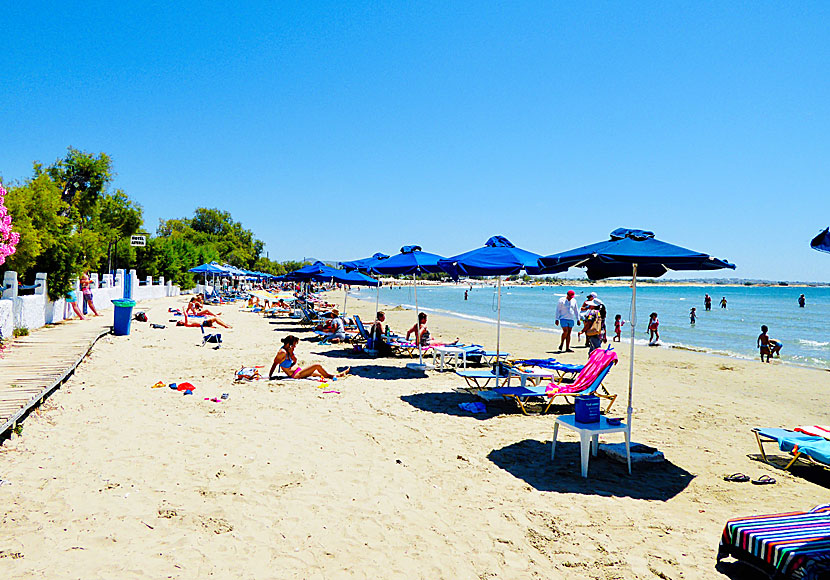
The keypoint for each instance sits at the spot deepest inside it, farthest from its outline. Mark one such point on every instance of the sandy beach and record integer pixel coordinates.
(384, 476)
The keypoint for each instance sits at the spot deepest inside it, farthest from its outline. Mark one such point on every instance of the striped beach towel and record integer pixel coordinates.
(816, 430)
(794, 545)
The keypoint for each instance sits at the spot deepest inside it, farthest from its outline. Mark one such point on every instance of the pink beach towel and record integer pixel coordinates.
(597, 361)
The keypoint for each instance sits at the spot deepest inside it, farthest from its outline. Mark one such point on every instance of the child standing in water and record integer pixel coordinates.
(653, 332)
(692, 316)
(618, 324)
(763, 342)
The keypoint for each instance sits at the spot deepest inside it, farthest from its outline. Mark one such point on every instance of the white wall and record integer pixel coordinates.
(6, 318)
(36, 310)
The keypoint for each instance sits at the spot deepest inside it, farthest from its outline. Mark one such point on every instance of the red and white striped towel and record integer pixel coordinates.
(817, 430)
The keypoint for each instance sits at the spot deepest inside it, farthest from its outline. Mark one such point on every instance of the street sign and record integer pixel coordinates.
(138, 241)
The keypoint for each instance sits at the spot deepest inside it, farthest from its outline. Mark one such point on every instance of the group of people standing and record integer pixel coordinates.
(591, 316)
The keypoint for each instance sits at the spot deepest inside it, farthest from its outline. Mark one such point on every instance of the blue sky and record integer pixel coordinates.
(337, 129)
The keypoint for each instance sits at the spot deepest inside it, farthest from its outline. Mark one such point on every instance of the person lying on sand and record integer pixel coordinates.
(207, 323)
(287, 361)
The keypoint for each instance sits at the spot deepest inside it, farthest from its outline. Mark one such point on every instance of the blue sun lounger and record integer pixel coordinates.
(589, 382)
(486, 375)
(799, 445)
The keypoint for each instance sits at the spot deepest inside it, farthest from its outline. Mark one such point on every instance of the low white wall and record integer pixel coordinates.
(36, 310)
(6, 318)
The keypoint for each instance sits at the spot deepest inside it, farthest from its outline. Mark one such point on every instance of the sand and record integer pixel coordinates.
(387, 478)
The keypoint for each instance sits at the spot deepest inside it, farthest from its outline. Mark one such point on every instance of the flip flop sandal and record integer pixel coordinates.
(737, 478)
(764, 480)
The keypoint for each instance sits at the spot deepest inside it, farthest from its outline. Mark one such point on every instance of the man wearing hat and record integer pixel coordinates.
(567, 314)
(338, 330)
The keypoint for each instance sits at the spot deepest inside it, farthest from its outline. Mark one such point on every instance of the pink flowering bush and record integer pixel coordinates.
(8, 238)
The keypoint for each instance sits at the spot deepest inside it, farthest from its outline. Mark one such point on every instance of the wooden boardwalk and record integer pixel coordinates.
(33, 366)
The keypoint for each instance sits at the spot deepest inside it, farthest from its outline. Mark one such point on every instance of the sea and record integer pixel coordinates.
(732, 331)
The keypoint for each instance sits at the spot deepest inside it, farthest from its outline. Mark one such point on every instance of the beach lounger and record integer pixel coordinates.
(792, 546)
(588, 382)
(473, 378)
(811, 448)
(561, 369)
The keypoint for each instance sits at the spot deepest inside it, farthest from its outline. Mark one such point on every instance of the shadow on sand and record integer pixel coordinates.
(447, 404)
(385, 373)
(738, 570)
(813, 473)
(529, 460)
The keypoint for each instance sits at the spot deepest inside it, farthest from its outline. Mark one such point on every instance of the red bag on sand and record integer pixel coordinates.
(185, 387)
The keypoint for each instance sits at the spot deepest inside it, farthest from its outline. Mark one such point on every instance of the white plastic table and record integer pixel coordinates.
(589, 437)
(453, 352)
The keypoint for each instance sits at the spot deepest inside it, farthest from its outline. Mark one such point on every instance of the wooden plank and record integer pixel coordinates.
(34, 370)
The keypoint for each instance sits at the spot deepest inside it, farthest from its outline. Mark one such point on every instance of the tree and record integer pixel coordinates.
(82, 178)
(65, 218)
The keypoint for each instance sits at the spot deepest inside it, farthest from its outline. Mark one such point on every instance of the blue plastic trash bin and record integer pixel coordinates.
(122, 317)
(587, 409)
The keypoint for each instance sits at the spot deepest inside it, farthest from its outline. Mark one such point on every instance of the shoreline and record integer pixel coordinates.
(584, 282)
(638, 343)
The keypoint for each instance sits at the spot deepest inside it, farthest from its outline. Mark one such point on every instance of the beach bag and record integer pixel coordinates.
(586, 409)
(501, 369)
(247, 374)
(217, 338)
(140, 317)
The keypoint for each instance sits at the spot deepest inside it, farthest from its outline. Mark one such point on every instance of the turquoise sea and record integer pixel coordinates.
(733, 331)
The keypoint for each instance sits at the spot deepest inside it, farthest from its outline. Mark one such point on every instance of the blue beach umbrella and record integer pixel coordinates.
(411, 260)
(311, 272)
(822, 241)
(211, 268)
(365, 265)
(344, 277)
(498, 258)
(630, 253)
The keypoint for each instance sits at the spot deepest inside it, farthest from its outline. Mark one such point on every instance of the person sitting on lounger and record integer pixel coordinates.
(337, 329)
(376, 336)
(287, 361)
(206, 323)
(420, 329)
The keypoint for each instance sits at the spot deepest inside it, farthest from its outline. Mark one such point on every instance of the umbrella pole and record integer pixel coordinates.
(633, 324)
(345, 298)
(417, 323)
(377, 301)
(498, 324)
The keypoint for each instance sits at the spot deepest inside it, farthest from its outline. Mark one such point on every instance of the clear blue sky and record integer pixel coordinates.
(339, 129)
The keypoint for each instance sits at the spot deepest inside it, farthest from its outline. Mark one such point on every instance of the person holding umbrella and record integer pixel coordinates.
(567, 314)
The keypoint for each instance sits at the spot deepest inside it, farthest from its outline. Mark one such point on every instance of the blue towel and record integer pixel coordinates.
(473, 407)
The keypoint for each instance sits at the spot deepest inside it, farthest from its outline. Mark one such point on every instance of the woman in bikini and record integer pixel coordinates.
(196, 308)
(207, 323)
(287, 361)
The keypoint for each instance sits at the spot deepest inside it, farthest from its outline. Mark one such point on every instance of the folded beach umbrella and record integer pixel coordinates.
(498, 258)
(822, 241)
(411, 260)
(630, 253)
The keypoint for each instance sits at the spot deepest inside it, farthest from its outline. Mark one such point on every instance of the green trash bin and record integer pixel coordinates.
(123, 317)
